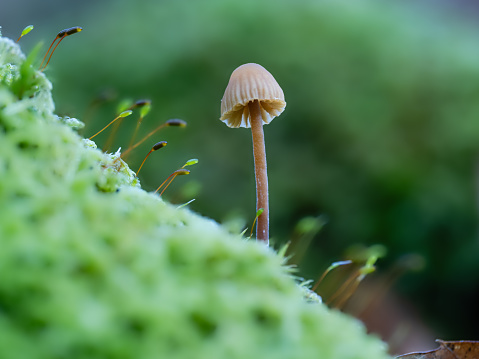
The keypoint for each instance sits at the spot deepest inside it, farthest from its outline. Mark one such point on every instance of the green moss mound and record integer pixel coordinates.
(92, 266)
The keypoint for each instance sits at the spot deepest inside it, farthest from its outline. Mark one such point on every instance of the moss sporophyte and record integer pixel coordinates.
(94, 266)
(60, 36)
(155, 147)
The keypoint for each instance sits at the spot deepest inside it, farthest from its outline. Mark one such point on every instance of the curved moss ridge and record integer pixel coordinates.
(92, 266)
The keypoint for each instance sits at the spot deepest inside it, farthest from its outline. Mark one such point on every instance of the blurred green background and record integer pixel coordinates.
(380, 135)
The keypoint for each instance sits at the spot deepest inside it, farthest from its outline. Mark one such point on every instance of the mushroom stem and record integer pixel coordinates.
(259, 153)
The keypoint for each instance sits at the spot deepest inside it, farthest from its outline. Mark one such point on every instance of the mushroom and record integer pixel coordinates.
(253, 97)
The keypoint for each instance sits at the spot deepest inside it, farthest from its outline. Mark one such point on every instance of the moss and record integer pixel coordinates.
(93, 266)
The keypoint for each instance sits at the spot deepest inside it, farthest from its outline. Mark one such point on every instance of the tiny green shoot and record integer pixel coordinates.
(329, 269)
(282, 251)
(25, 31)
(191, 162)
(185, 204)
(243, 232)
(258, 213)
(145, 110)
(351, 284)
(121, 115)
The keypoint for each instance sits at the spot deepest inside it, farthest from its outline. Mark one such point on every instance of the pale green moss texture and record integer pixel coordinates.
(92, 266)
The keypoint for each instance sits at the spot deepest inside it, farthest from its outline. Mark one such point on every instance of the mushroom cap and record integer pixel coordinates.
(247, 83)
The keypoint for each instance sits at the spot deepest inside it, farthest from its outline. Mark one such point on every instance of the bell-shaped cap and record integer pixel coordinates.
(247, 83)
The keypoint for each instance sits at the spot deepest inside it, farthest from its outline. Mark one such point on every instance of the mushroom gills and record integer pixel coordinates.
(239, 115)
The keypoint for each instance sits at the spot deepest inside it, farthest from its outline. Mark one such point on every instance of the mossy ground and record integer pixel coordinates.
(92, 266)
